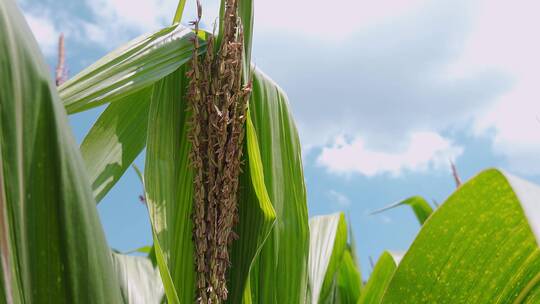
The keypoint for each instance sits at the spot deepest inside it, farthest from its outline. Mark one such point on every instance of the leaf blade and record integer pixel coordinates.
(327, 244)
(280, 272)
(115, 140)
(379, 280)
(128, 69)
(421, 208)
(483, 241)
(54, 248)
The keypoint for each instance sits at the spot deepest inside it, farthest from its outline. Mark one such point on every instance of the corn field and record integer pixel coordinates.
(223, 185)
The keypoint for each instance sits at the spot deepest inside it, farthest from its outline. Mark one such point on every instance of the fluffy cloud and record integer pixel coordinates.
(339, 198)
(105, 23)
(334, 20)
(44, 30)
(133, 14)
(502, 38)
(375, 72)
(424, 150)
(380, 86)
(125, 19)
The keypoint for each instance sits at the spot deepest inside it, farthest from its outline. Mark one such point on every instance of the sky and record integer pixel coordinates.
(385, 93)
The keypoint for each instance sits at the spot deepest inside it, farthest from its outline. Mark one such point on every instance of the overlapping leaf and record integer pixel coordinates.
(140, 282)
(348, 280)
(169, 182)
(327, 245)
(421, 208)
(128, 69)
(256, 219)
(52, 246)
(379, 280)
(169, 186)
(280, 272)
(476, 248)
(115, 140)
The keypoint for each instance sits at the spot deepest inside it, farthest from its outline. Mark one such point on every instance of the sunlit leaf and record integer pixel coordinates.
(280, 274)
(476, 248)
(52, 246)
(115, 140)
(128, 69)
(348, 280)
(140, 281)
(379, 280)
(327, 244)
(418, 204)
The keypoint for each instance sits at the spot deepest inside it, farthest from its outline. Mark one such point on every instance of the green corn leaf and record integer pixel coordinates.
(421, 208)
(478, 247)
(327, 245)
(128, 69)
(256, 219)
(115, 140)
(379, 280)
(140, 282)
(52, 246)
(352, 247)
(348, 280)
(179, 11)
(149, 251)
(156, 255)
(169, 183)
(279, 276)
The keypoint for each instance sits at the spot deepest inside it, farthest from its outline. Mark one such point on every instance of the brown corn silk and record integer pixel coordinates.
(218, 101)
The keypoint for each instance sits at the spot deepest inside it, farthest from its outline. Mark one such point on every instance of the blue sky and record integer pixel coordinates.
(384, 94)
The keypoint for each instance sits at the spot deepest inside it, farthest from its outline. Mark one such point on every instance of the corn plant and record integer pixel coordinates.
(224, 188)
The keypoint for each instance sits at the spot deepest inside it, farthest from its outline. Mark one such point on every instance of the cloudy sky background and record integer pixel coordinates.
(384, 93)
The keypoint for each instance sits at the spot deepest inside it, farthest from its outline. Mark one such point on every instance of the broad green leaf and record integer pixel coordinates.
(379, 280)
(348, 280)
(327, 245)
(476, 248)
(140, 282)
(256, 219)
(115, 140)
(157, 256)
(418, 204)
(52, 245)
(169, 183)
(128, 69)
(280, 274)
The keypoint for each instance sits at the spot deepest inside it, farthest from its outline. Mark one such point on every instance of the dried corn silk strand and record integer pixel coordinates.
(218, 103)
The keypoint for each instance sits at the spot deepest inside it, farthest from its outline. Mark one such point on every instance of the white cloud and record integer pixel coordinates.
(122, 20)
(329, 20)
(503, 38)
(339, 198)
(44, 31)
(140, 15)
(424, 150)
(375, 71)
(379, 87)
(436, 67)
